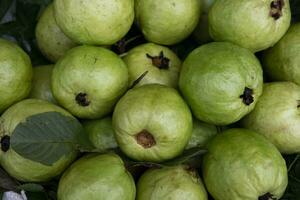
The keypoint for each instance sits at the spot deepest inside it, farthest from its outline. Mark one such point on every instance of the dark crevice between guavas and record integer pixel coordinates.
(5, 143)
(247, 96)
(267, 196)
(82, 99)
(139, 79)
(276, 9)
(145, 139)
(160, 61)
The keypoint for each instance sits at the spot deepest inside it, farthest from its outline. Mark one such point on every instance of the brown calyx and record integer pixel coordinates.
(276, 8)
(160, 61)
(5, 143)
(247, 96)
(82, 99)
(267, 196)
(145, 139)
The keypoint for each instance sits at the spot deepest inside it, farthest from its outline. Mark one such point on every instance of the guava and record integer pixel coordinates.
(167, 22)
(176, 183)
(202, 133)
(221, 82)
(243, 165)
(52, 42)
(281, 62)
(41, 83)
(101, 133)
(88, 81)
(255, 24)
(15, 73)
(94, 22)
(276, 116)
(152, 123)
(17, 166)
(160, 64)
(95, 177)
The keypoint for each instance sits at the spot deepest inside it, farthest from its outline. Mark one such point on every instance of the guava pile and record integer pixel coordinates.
(153, 100)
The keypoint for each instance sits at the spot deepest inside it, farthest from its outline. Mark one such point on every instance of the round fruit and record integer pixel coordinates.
(221, 82)
(159, 64)
(52, 42)
(15, 72)
(276, 116)
(89, 80)
(101, 133)
(282, 62)
(254, 24)
(96, 177)
(41, 84)
(17, 166)
(241, 164)
(167, 22)
(94, 22)
(176, 183)
(152, 123)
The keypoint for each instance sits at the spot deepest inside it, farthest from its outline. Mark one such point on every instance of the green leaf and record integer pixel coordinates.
(31, 187)
(47, 137)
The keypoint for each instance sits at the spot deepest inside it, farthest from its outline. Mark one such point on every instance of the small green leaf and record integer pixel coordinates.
(47, 137)
(31, 187)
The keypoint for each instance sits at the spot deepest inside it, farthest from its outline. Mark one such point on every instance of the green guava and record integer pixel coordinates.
(276, 116)
(243, 165)
(221, 82)
(101, 133)
(52, 42)
(15, 73)
(17, 166)
(160, 64)
(176, 183)
(97, 177)
(254, 24)
(167, 22)
(94, 22)
(152, 123)
(88, 81)
(282, 62)
(41, 83)
(202, 133)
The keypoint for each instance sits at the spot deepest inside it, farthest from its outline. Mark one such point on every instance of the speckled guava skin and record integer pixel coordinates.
(97, 177)
(138, 62)
(213, 79)
(15, 73)
(52, 42)
(101, 133)
(167, 22)
(282, 62)
(89, 80)
(17, 166)
(276, 116)
(248, 23)
(176, 183)
(41, 83)
(160, 111)
(243, 165)
(94, 22)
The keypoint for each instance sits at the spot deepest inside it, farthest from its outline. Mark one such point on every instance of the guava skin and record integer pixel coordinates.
(152, 123)
(276, 116)
(88, 81)
(139, 60)
(97, 177)
(17, 166)
(172, 183)
(243, 165)
(255, 24)
(41, 83)
(15, 72)
(167, 22)
(101, 133)
(52, 42)
(94, 22)
(281, 62)
(221, 82)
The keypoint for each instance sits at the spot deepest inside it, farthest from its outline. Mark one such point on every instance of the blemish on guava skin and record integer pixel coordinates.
(276, 8)
(160, 61)
(267, 196)
(145, 139)
(5, 143)
(82, 99)
(247, 96)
